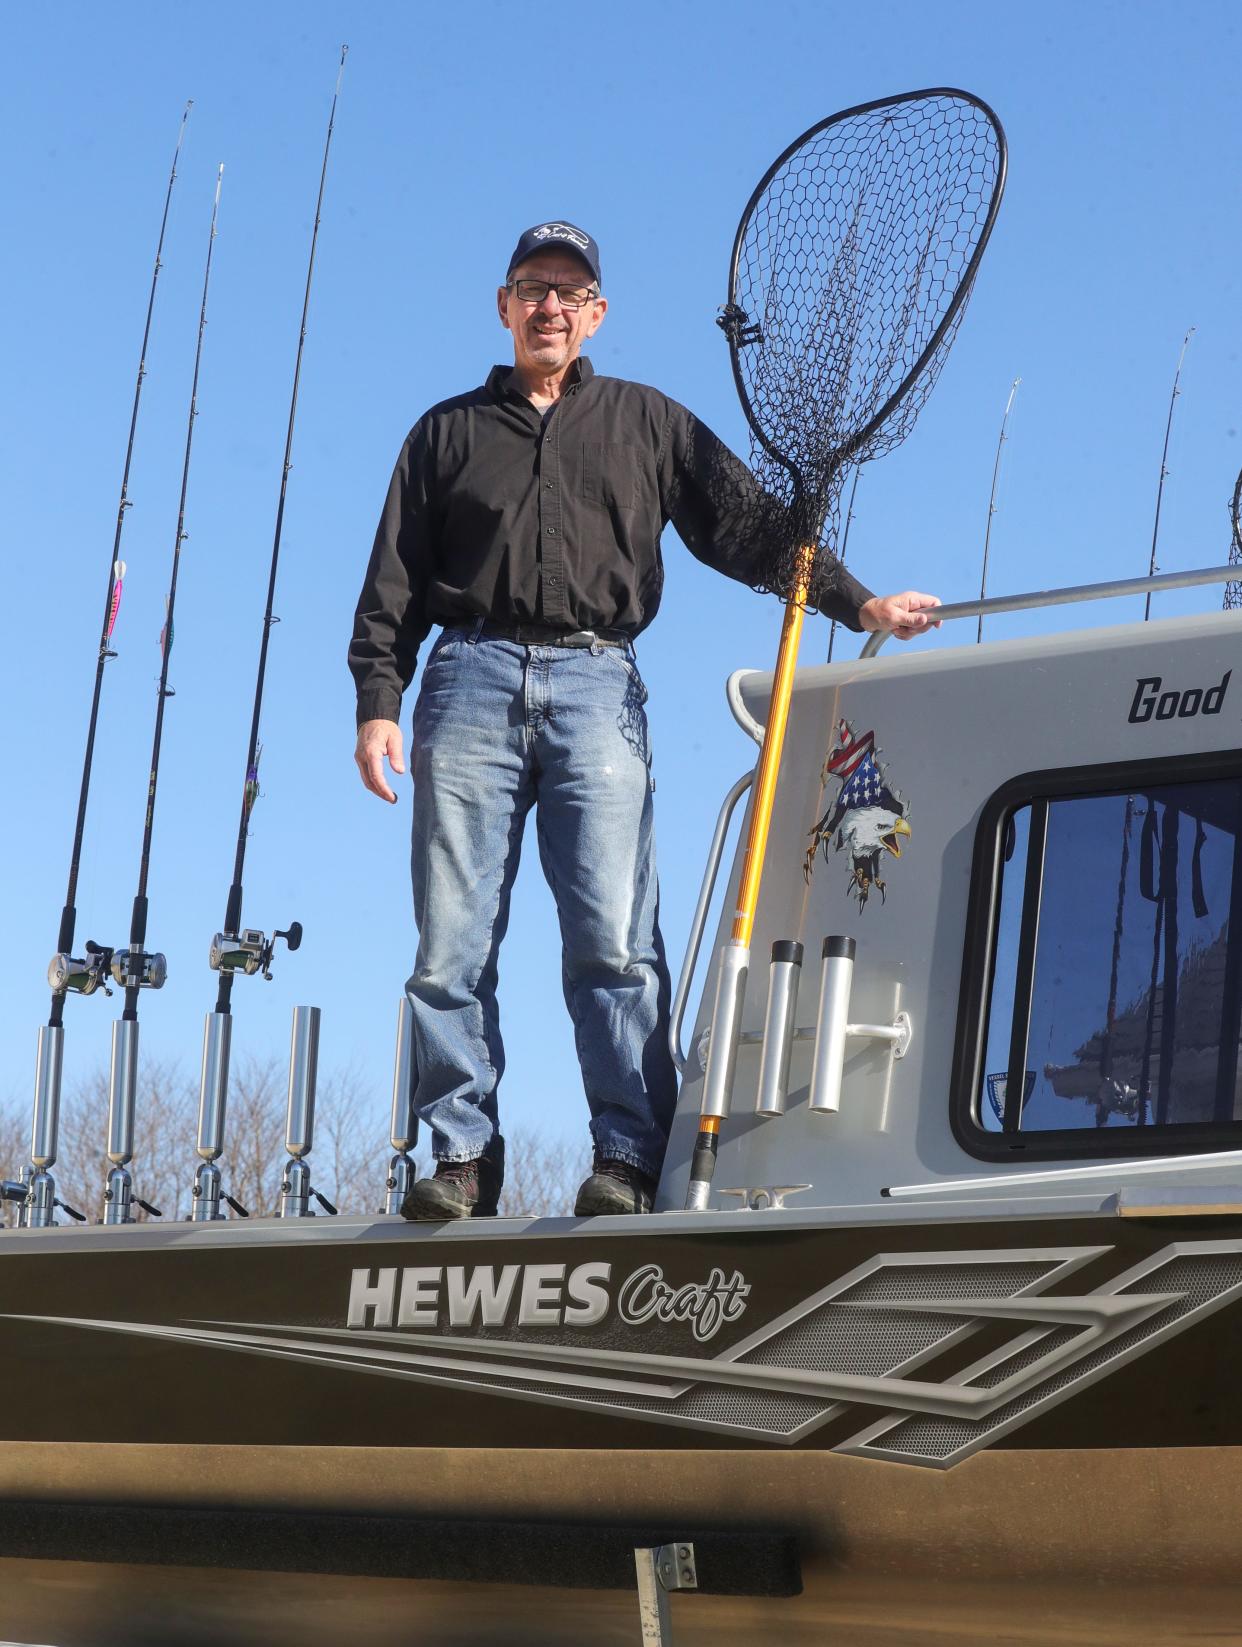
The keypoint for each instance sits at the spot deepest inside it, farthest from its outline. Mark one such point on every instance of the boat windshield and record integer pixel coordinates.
(1117, 988)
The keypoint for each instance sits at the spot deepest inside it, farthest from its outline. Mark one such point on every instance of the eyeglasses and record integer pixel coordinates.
(534, 291)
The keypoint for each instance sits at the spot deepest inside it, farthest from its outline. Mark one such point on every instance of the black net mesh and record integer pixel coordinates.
(853, 264)
(1233, 591)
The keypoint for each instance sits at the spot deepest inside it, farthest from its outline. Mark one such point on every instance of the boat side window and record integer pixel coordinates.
(1111, 993)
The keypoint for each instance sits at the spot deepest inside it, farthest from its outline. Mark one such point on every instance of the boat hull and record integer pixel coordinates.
(1031, 1546)
(942, 1412)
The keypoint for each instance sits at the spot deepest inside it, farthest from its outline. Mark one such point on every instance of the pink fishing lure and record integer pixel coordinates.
(117, 587)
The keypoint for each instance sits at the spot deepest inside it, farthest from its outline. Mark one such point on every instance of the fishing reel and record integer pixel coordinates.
(136, 969)
(250, 951)
(69, 976)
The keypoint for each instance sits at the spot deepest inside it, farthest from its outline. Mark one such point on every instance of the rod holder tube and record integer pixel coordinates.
(295, 1192)
(21, 1204)
(119, 1197)
(205, 1203)
(303, 1078)
(122, 1091)
(832, 1024)
(214, 1084)
(48, 1064)
(784, 975)
(402, 1174)
(726, 1020)
(41, 1206)
(404, 1131)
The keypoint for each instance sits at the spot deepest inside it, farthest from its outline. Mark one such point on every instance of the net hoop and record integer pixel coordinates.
(954, 307)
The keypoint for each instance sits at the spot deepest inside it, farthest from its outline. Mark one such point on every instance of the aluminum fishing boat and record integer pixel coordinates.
(953, 1353)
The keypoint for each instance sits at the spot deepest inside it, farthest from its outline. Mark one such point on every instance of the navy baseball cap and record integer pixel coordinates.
(556, 233)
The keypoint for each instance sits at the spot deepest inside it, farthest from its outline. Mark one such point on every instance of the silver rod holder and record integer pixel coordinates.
(122, 1091)
(726, 1020)
(205, 1202)
(17, 1190)
(402, 1173)
(47, 1095)
(212, 1096)
(41, 1206)
(295, 1187)
(832, 1025)
(404, 1131)
(303, 1077)
(119, 1197)
(40, 1210)
(295, 1192)
(213, 1088)
(784, 976)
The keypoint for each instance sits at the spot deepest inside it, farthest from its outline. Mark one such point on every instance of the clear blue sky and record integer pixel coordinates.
(457, 127)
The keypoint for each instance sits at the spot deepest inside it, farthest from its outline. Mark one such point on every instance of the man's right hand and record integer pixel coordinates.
(377, 739)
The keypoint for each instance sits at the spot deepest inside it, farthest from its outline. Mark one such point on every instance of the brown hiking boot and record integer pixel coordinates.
(614, 1187)
(460, 1189)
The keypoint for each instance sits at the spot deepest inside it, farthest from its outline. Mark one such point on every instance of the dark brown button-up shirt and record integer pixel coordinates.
(497, 512)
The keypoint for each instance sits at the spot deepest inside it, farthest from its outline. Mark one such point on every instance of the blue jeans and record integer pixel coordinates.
(498, 728)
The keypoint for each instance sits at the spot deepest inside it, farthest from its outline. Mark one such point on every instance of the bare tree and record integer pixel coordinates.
(14, 1152)
(351, 1153)
(542, 1174)
(348, 1162)
(163, 1122)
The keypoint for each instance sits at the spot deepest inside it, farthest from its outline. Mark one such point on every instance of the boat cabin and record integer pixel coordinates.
(1030, 850)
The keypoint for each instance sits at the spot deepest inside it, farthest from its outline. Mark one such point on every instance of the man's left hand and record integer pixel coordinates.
(903, 615)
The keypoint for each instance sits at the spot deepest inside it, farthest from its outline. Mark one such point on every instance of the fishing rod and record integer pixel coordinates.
(987, 536)
(1164, 466)
(240, 949)
(845, 538)
(135, 968)
(66, 973)
(1233, 591)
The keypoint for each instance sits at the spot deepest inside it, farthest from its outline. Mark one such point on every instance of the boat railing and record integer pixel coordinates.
(1069, 596)
(699, 919)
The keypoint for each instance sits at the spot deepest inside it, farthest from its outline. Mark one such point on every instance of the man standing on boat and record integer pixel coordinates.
(524, 517)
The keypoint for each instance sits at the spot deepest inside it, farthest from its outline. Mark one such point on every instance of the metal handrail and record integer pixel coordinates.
(699, 919)
(733, 691)
(1067, 597)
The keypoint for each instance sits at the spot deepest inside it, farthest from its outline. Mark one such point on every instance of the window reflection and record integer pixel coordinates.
(1115, 997)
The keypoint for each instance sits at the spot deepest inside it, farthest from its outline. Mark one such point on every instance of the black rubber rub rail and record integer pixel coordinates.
(736, 1562)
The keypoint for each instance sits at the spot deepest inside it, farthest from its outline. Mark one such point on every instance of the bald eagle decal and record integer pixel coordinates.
(867, 817)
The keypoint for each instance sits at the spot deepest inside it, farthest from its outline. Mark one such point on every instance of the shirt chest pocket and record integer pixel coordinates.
(612, 475)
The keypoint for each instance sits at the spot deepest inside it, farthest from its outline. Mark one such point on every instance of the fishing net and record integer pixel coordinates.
(851, 268)
(1233, 591)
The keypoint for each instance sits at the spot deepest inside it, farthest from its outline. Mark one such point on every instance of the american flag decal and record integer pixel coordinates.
(849, 751)
(867, 817)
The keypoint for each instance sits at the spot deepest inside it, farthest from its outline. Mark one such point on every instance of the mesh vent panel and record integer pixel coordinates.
(1202, 1277)
(999, 1280)
(849, 1341)
(752, 1409)
(780, 1415)
(873, 1343)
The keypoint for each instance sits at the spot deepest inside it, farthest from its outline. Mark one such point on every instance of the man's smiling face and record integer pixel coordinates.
(546, 336)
